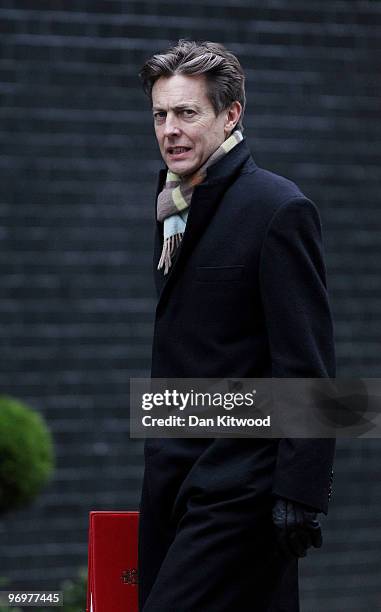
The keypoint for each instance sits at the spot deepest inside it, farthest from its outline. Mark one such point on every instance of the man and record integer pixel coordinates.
(241, 285)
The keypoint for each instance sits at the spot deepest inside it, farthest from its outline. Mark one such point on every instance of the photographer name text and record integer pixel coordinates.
(191, 420)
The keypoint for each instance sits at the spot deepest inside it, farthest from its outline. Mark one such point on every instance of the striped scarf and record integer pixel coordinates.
(174, 201)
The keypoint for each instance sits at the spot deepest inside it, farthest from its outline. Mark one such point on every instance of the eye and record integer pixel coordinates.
(159, 116)
(188, 112)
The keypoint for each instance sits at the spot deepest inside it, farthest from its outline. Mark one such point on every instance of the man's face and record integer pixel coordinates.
(186, 127)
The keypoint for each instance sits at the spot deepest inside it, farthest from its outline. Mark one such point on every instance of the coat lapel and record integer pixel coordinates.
(205, 199)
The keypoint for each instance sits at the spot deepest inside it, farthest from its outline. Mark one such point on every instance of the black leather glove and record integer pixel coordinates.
(297, 527)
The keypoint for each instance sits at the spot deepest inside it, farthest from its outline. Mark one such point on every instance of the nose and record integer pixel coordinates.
(171, 127)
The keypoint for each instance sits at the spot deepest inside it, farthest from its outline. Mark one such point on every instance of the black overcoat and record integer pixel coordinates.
(245, 298)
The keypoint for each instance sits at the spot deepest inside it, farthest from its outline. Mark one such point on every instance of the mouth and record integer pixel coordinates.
(177, 151)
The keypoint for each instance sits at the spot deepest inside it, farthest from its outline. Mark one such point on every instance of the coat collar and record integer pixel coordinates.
(203, 204)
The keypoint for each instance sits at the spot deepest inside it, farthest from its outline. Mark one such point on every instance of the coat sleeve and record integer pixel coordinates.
(300, 334)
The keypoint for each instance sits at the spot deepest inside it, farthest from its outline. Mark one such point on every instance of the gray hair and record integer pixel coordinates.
(224, 74)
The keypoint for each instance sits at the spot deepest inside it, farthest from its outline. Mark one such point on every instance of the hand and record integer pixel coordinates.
(297, 527)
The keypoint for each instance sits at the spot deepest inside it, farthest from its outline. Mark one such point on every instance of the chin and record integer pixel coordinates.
(181, 169)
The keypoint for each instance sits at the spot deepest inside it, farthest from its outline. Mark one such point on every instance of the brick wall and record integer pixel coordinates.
(78, 166)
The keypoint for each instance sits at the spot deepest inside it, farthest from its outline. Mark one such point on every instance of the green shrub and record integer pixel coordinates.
(4, 583)
(74, 593)
(26, 454)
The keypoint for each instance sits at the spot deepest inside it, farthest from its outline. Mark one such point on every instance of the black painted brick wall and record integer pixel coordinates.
(78, 164)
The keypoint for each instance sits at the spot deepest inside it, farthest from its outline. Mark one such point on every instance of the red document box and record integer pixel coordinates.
(113, 562)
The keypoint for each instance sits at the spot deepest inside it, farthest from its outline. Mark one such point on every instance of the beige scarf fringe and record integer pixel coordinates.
(169, 247)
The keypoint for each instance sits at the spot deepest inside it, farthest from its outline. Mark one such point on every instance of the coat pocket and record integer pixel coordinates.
(219, 273)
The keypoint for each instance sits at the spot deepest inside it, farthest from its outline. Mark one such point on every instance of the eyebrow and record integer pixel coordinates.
(177, 108)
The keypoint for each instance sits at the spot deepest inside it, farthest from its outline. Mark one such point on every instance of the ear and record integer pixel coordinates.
(232, 117)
